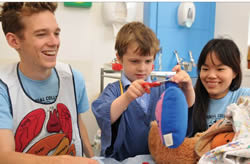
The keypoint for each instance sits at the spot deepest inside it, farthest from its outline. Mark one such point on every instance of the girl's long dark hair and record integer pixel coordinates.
(228, 53)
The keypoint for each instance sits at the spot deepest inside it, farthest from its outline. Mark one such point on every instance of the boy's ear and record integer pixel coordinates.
(13, 40)
(118, 58)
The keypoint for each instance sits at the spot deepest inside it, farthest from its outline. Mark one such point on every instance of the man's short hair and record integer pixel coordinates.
(12, 13)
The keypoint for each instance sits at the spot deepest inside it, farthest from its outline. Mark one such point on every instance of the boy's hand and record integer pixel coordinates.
(181, 78)
(135, 90)
(120, 104)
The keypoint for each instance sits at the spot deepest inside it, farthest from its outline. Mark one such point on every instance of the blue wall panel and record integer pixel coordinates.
(150, 15)
(162, 18)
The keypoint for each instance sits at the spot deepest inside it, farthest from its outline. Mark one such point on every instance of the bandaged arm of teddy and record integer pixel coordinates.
(171, 115)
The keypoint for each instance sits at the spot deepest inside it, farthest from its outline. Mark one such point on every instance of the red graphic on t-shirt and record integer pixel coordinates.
(53, 123)
(29, 128)
(32, 124)
(72, 150)
(45, 145)
(65, 120)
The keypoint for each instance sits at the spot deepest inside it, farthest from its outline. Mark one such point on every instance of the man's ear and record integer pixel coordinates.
(118, 58)
(13, 40)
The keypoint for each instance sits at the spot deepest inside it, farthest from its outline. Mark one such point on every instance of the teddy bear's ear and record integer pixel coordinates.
(171, 115)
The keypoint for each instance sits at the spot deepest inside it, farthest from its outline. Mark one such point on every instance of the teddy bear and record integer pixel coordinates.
(167, 139)
(191, 149)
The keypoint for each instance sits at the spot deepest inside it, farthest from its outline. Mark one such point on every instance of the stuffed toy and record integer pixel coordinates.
(167, 141)
(238, 150)
(167, 134)
(174, 126)
(191, 149)
(222, 139)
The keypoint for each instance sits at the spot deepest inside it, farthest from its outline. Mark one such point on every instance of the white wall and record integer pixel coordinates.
(232, 20)
(86, 43)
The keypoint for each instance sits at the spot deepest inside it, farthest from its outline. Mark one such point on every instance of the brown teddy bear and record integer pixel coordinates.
(191, 149)
(167, 142)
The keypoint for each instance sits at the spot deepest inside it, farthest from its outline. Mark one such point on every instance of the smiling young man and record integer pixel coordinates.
(41, 100)
(124, 110)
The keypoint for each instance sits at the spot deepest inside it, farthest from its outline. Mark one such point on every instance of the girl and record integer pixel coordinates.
(218, 83)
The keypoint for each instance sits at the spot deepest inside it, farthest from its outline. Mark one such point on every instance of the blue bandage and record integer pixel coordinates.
(172, 115)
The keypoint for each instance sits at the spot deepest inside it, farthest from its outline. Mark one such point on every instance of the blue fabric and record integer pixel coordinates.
(174, 114)
(133, 126)
(43, 91)
(217, 108)
(44, 94)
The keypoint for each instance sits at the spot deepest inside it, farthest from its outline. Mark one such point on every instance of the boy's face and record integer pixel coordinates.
(134, 65)
(39, 46)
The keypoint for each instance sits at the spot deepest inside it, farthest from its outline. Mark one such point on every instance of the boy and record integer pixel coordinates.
(123, 111)
(41, 101)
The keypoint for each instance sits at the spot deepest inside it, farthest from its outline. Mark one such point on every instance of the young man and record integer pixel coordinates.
(41, 101)
(124, 110)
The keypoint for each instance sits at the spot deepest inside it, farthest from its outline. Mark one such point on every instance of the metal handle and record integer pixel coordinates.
(192, 59)
(177, 57)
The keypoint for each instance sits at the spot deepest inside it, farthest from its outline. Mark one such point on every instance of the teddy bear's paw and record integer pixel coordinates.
(199, 134)
(154, 138)
(164, 155)
(153, 123)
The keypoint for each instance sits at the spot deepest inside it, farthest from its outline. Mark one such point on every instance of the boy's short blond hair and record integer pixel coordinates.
(12, 13)
(137, 32)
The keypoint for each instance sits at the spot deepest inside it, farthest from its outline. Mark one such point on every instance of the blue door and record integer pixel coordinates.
(162, 18)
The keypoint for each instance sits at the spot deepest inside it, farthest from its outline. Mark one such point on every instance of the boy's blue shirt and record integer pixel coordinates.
(127, 137)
